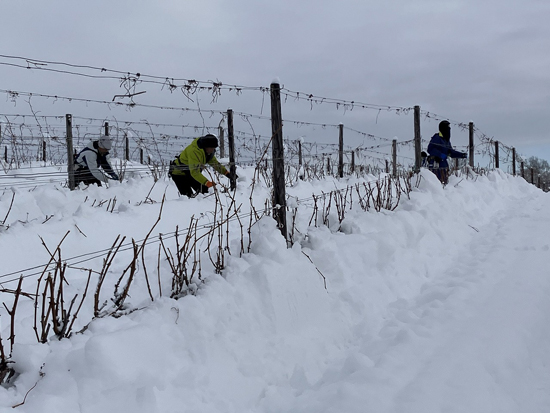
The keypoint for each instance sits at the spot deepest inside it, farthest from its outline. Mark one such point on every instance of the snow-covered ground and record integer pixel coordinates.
(439, 306)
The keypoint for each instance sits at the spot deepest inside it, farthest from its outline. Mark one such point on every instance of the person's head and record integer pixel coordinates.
(445, 129)
(104, 144)
(209, 143)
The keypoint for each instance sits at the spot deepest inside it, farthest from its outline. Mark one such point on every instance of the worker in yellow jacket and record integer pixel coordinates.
(186, 169)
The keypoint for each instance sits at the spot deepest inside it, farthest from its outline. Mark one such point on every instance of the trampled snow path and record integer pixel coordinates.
(476, 338)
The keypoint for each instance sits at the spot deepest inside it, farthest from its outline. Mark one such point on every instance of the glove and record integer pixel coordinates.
(115, 176)
(232, 176)
(463, 155)
(437, 159)
(210, 184)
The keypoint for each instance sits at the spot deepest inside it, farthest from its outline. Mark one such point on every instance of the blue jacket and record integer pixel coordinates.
(442, 149)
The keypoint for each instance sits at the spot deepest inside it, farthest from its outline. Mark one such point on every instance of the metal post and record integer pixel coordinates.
(341, 151)
(44, 150)
(231, 144)
(497, 157)
(394, 157)
(222, 142)
(70, 156)
(417, 140)
(127, 149)
(514, 161)
(300, 153)
(471, 144)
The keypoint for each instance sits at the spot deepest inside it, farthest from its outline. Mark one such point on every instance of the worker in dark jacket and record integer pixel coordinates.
(439, 149)
(92, 165)
(186, 169)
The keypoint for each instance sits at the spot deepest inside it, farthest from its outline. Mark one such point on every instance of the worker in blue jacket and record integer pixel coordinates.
(439, 149)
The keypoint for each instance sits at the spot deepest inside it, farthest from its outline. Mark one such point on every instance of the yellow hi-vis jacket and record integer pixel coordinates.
(193, 160)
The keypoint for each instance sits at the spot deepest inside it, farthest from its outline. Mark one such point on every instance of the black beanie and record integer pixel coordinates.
(445, 129)
(208, 141)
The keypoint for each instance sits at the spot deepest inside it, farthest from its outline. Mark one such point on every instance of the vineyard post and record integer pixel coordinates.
(341, 151)
(279, 191)
(513, 161)
(300, 153)
(394, 157)
(471, 143)
(127, 149)
(222, 141)
(352, 169)
(417, 140)
(70, 156)
(231, 145)
(497, 157)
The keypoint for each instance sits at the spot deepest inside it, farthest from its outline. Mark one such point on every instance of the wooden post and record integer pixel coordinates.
(329, 167)
(341, 151)
(231, 144)
(394, 157)
(222, 141)
(417, 140)
(497, 157)
(522, 170)
(279, 190)
(70, 156)
(300, 153)
(387, 166)
(532, 176)
(513, 161)
(471, 143)
(352, 169)
(141, 156)
(106, 129)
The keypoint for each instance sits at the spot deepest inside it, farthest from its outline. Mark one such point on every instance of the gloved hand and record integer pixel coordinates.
(437, 159)
(463, 155)
(210, 184)
(232, 176)
(115, 177)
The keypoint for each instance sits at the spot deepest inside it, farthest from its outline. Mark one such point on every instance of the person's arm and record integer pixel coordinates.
(90, 158)
(108, 168)
(218, 167)
(456, 154)
(196, 161)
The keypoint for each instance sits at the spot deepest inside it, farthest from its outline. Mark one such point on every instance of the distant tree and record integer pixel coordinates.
(540, 168)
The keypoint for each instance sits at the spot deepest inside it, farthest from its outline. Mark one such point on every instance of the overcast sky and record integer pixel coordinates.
(466, 60)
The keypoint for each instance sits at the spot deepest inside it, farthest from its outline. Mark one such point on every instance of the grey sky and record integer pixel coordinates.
(466, 60)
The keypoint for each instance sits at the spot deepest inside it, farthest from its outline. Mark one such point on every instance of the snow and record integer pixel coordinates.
(438, 306)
